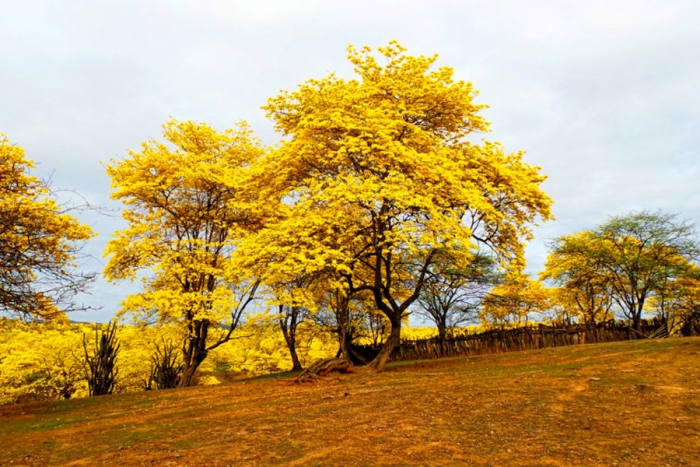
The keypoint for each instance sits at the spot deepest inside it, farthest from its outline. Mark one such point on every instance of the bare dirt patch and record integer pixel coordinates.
(625, 404)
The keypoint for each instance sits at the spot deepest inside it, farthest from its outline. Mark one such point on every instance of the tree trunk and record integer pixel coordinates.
(442, 337)
(343, 343)
(194, 352)
(190, 368)
(392, 341)
(345, 347)
(292, 346)
(288, 324)
(638, 319)
(344, 330)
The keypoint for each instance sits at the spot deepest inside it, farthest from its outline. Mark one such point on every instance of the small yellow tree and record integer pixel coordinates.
(39, 243)
(515, 301)
(584, 290)
(181, 209)
(677, 302)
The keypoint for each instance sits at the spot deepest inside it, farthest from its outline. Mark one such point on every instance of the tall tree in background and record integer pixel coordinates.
(515, 301)
(289, 318)
(452, 297)
(375, 175)
(633, 255)
(39, 243)
(582, 288)
(677, 302)
(292, 301)
(183, 221)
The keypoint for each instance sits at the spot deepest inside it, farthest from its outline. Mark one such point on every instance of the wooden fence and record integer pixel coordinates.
(525, 338)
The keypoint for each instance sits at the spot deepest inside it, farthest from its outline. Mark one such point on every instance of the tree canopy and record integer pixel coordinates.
(515, 301)
(40, 241)
(376, 175)
(181, 209)
(452, 297)
(631, 258)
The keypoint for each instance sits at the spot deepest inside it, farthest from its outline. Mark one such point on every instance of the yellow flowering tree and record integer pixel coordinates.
(375, 175)
(584, 291)
(677, 302)
(39, 243)
(514, 302)
(180, 201)
(40, 361)
(629, 259)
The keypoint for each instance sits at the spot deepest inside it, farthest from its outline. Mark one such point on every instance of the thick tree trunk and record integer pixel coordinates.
(387, 349)
(194, 352)
(292, 346)
(190, 368)
(637, 324)
(347, 352)
(637, 319)
(296, 364)
(442, 336)
(343, 344)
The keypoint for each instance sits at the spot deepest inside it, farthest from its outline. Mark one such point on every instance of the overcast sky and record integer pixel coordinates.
(603, 95)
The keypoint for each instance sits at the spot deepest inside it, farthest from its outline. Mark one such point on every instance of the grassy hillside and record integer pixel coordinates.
(624, 404)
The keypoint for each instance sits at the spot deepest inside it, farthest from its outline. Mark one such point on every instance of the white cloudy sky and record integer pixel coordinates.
(604, 95)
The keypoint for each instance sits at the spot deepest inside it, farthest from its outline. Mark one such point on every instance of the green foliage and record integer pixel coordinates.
(452, 296)
(627, 260)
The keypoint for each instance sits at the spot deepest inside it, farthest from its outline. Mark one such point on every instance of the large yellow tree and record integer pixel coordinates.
(39, 243)
(181, 201)
(375, 175)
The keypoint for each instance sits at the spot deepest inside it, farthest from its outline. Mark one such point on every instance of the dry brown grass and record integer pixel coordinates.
(624, 404)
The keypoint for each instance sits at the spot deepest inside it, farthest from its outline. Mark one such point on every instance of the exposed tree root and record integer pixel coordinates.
(322, 368)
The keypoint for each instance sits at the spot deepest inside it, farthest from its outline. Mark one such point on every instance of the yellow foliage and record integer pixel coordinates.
(208, 380)
(420, 332)
(259, 347)
(385, 151)
(46, 361)
(40, 362)
(183, 222)
(678, 301)
(39, 242)
(515, 301)
(376, 175)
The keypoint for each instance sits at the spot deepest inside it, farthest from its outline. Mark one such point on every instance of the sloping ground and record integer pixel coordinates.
(625, 404)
